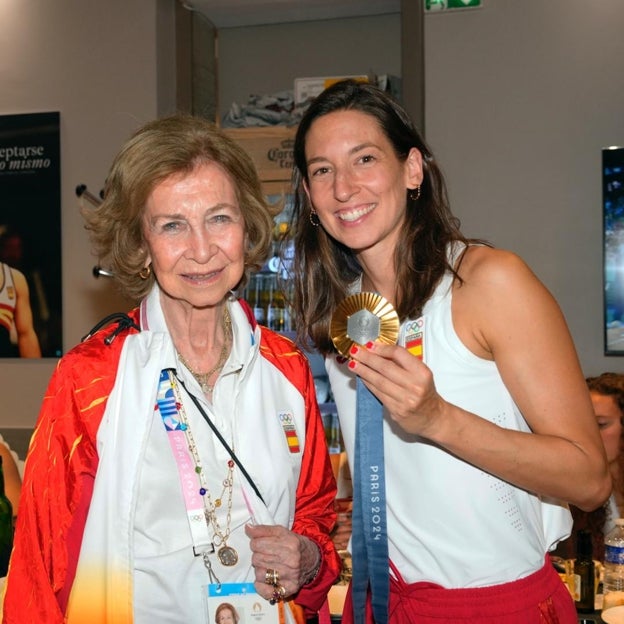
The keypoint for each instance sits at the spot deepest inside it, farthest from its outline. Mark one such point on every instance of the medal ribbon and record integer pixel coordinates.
(167, 405)
(370, 535)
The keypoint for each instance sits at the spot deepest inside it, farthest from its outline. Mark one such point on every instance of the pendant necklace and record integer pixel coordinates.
(203, 379)
(227, 554)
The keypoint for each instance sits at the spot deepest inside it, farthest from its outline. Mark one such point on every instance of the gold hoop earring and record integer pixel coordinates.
(145, 272)
(313, 216)
(414, 194)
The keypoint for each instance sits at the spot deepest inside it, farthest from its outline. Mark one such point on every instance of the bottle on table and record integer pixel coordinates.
(613, 581)
(584, 574)
(276, 313)
(257, 302)
(266, 292)
(6, 526)
(249, 292)
(334, 443)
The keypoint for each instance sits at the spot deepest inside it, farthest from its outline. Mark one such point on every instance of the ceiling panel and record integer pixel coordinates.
(232, 13)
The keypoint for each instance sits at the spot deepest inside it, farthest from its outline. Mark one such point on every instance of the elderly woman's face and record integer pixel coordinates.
(226, 617)
(195, 235)
(609, 419)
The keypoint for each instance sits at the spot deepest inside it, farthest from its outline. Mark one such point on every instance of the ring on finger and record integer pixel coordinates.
(271, 577)
(279, 593)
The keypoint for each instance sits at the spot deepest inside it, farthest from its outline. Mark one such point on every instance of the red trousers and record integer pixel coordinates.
(540, 598)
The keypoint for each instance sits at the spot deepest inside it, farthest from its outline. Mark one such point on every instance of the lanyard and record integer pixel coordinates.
(370, 535)
(195, 512)
(221, 439)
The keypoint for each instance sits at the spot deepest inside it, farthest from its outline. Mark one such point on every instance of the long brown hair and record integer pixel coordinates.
(323, 268)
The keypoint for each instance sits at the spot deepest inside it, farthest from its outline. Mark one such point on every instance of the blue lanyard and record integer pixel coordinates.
(370, 534)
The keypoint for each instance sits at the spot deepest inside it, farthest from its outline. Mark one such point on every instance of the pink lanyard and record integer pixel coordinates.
(168, 405)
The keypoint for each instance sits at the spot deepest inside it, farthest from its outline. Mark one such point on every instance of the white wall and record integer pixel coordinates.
(256, 60)
(95, 62)
(520, 99)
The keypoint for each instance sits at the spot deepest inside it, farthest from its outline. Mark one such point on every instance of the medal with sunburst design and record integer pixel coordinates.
(362, 318)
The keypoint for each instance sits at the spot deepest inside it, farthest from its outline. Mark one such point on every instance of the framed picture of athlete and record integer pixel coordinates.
(30, 236)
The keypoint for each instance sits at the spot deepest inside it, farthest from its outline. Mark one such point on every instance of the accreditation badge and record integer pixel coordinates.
(413, 337)
(241, 602)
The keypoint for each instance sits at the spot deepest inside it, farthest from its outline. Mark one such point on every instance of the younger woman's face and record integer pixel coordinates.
(355, 181)
(609, 419)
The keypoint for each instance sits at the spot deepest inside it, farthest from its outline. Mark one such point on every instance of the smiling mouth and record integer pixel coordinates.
(201, 277)
(354, 215)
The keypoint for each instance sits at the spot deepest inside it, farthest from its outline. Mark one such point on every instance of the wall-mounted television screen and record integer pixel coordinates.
(613, 248)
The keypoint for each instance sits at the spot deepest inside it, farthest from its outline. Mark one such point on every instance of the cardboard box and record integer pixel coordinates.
(270, 148)
(307, 88)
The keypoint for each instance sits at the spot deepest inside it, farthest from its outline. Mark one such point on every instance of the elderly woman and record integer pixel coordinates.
(182, 447)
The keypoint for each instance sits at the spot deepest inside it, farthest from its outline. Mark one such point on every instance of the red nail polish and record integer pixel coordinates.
(369, 344)
(351, 364)
(353, 350)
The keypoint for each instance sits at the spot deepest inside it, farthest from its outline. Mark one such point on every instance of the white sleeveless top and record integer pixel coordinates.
(448, 522)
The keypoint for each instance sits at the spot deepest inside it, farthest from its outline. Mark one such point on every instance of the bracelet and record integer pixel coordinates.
(311, 576)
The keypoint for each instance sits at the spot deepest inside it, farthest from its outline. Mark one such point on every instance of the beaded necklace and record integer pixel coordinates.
(227, 554)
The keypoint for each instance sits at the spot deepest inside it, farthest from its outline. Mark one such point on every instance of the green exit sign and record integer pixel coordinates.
(444, 5)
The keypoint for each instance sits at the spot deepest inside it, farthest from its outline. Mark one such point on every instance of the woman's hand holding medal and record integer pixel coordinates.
(365, 329)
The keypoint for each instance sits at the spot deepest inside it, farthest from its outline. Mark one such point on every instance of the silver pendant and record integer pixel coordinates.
(227, 556)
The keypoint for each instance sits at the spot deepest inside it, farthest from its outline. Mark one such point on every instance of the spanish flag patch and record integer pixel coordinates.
(288, 425)
(414, 337)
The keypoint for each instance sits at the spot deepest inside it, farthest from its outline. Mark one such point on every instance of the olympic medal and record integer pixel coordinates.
(362, 318)
(227, 556)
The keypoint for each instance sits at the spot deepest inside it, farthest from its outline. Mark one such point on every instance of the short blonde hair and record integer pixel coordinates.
(159, 149)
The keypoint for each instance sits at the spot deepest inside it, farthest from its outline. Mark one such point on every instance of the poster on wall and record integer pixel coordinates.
(30, 236)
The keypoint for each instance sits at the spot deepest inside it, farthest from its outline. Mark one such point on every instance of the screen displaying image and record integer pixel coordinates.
(613, 248)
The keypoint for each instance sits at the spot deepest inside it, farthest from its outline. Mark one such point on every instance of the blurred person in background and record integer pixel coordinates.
(607, 397)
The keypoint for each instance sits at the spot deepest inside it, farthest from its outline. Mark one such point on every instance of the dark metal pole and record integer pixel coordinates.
(413, 60)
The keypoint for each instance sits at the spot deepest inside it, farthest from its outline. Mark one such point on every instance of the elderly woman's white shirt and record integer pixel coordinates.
(137, 520)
